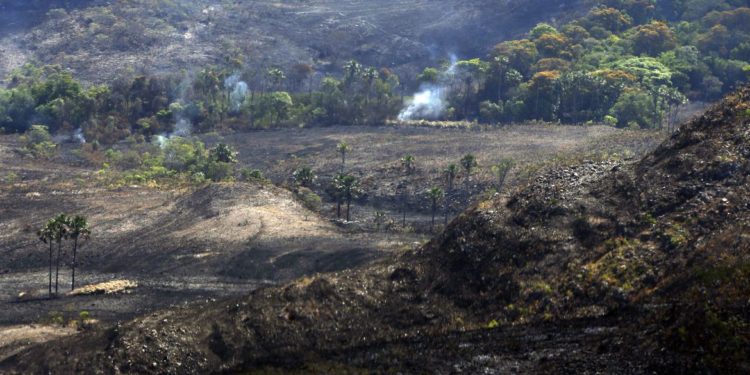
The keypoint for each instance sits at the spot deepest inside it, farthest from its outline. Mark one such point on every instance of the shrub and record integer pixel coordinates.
(309, 199)
(38, 142)
(247, 174)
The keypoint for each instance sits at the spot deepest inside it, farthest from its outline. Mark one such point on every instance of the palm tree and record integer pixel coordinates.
(60, 232)
(351, 72)
(469, 162)
(501, 170)
(348, 187)
(304, 176)
(379, 218)
(408, 163)
(450, 176)
(46, 235)
(402, 190)
(276, 76)
(343, 148)
(435, 194)
(79, 229)
(370, 75)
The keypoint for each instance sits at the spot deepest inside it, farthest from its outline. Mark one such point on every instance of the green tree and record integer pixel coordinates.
(521, 54)
(544, 95)
(435, 194)
(223, 153)
(542, 29)
(610, 19)
(38, 141)
(653, 39)
(79, 230)
(471, 72)
(429, 75)
(635, 107)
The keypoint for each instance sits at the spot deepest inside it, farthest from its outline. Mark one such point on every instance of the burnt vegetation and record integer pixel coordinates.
(375, 187)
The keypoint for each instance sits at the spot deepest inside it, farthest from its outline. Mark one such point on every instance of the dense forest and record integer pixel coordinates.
(627, 63)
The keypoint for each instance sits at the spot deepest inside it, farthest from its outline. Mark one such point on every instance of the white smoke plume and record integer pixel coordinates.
(78, 136)
(430, 102)
(182, 126)
(238, 91)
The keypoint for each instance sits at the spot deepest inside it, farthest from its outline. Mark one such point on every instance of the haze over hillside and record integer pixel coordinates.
(98, 42)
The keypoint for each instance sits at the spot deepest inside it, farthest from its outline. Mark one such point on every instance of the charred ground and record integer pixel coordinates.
(100, 40)
(609, 266)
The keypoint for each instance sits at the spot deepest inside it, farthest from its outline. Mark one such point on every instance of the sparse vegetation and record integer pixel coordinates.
(578, 248)
(56, 230)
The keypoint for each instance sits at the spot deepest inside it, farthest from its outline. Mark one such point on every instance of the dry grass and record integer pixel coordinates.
(13, 339)
(109, 287)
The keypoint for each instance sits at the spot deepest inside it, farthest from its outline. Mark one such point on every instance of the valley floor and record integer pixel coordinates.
(204, 243)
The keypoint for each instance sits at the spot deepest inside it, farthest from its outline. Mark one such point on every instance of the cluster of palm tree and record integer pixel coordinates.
(55, 231)
(469, 163)
(346, 187)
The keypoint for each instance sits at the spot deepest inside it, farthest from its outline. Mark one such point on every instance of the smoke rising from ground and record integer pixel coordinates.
(237, 91)
(78, 136)
(430, 102)
(183, 127)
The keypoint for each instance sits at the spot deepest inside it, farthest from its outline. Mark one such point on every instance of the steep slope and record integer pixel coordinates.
(622, 268)
(100, 42)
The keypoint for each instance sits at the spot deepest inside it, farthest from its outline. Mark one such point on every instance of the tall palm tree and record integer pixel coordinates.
(348, 186)
(46, 235)
(501, 170)
(469, 162)
(351, 72)
(343, 148)
(79, 229)
(435, 194)
(450, 176)
(60, 232)
(370, 75)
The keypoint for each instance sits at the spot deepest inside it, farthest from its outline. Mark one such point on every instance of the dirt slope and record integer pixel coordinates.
(178, 245)
(604, 267)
